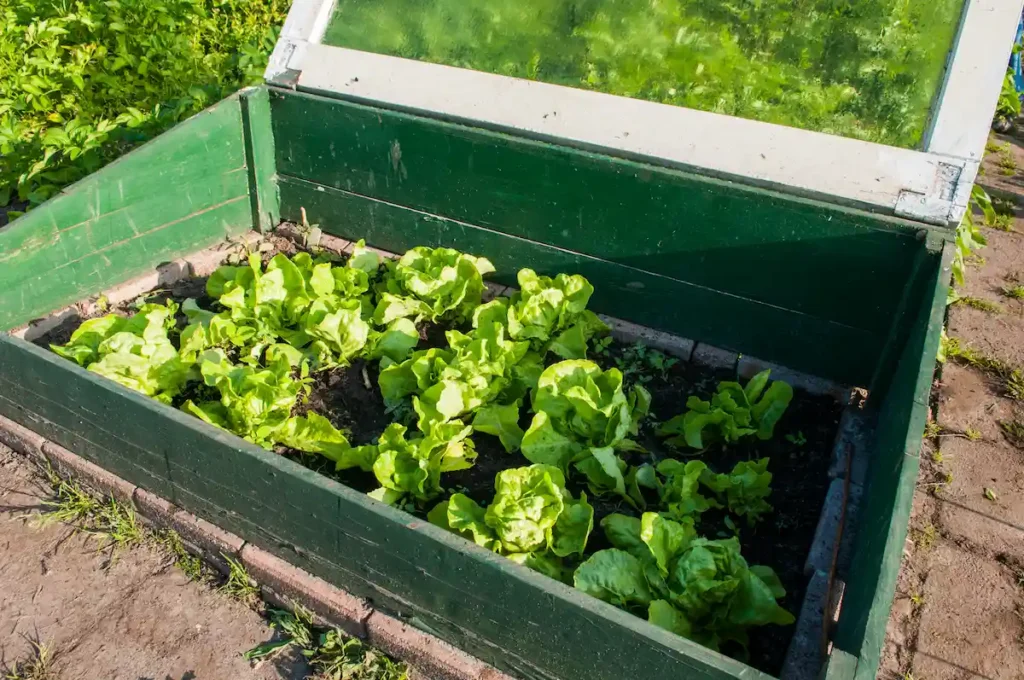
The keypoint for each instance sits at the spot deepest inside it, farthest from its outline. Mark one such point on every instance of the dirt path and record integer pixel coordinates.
(959, 607)
(136, 618)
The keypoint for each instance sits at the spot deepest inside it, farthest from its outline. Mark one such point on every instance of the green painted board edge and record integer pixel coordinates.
(259, 153)
(181, 192)
(510, 616)
(799, 341)
(892, 481)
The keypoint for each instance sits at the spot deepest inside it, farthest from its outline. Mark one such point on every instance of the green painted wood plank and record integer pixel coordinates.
(259, 143)
(35, 286)
(458, 588)
(892, 479)
(800, 341)
(843, 265)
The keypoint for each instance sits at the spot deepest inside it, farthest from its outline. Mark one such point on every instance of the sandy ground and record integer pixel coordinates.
(134, 618)
(959, 608)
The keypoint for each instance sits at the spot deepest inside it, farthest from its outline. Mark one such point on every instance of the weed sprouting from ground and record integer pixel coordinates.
(1012, 378)
(239, 584)
(1015, 292)
(979, 304)
(111, 521)
(189, 564)
(1002, 222)
(37, 667)
(1013, 430)
(331, 654)
(925, 538)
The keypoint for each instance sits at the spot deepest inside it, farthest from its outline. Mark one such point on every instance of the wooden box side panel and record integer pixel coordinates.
(793, 281)
(507, 615)
(181, 192)
(892, 478)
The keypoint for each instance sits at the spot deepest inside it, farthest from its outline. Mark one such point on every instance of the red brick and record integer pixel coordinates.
(93, 476)
(333, 604)
(434, 658)
(21, 439)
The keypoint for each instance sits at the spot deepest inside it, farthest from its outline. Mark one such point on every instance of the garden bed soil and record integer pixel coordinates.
(350, 398)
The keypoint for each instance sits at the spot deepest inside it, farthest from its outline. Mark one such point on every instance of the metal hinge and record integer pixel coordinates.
(945, 202)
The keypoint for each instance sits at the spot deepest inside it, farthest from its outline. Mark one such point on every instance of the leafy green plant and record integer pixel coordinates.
(135, 352)
(532, 520)
(1008, 106)
(339, 657)
(83, 82)
(295, 629)
(552, 314)
(438, 284)
(734, 411)
(697, 588)
(640, 363)
(979, 304)
(744, 490)
(411, 468)
(969, 237)
(1015, 292)
(582, 417)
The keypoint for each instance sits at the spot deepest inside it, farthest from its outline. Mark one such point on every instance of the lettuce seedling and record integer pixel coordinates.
(533, 519)
(697, 588)
(134, 352)
(439, 284)
(552, 314)
(255, 404)
(733, 412)
(411, 468)
(583, 417)
(680, 492)
(743, 490)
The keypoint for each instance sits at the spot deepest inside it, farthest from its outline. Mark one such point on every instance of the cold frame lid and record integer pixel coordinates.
(882, 104)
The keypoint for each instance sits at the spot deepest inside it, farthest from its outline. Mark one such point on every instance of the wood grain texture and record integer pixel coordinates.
(836, 264)
(800, 341)
(181, 192)
(259, 155)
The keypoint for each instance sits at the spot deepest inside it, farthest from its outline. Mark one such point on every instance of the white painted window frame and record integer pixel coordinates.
(931, 185)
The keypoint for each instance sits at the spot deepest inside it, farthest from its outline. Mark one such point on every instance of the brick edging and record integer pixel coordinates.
(280, 582)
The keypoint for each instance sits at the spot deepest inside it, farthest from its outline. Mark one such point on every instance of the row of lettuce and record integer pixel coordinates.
(250, 361)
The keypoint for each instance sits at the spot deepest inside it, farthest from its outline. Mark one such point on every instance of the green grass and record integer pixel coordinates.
(239, 584)
(979, 304)
(37, 667)
(189, 564)
(1013, 430)
(1015, 292)
(1002, 222)
(1006, 164)
(1011, 377)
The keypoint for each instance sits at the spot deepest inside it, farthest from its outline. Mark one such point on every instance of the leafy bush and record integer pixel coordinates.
(697, 588)
(439, 284)
(582, 416)
(532, 519)
(82, 82)
(734, 411)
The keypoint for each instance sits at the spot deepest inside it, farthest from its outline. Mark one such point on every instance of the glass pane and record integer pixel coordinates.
(860, 68)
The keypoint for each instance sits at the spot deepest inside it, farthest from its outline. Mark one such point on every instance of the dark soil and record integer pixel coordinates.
(350, 398)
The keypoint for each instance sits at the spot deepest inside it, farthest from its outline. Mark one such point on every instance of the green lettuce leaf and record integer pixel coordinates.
(744, 490)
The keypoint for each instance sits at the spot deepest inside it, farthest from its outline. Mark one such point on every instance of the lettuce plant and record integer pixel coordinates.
(680, 492)
(582, 417)
(411, 468)
(533, 519)
(254, 403)
(439, 284)
(734, 412)
(744, 490)
(697, 588)
(134, 352)
(550, 313)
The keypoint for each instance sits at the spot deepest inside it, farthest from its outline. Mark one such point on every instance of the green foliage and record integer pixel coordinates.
(697, 588)
(969, 237)
(135, 352)
(1008, 106)
(438, 284)
(552, 314)
(532, 519)
(83, 82)
(1011, 377)
(743, 490)
(640, 363)
(868, 70)
(1013, 430)
(980, 304)
(583, 416)
(735, 411)
(412, 467)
